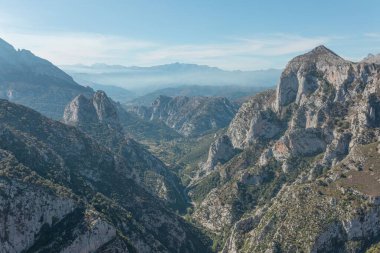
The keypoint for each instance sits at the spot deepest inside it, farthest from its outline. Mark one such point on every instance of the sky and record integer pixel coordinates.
(230, 34)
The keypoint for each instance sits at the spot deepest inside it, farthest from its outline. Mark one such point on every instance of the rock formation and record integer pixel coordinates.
(189, 116)
(303, 148)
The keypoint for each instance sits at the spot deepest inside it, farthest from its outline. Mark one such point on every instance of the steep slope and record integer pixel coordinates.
(100, 117)
(284, 185)
(29, 80)
(61, 191)
(189, 116)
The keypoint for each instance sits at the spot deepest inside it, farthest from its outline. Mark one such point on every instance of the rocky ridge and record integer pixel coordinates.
(324, 109)
(189, 116)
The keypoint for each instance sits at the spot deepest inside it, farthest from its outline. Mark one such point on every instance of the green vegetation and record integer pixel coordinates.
(202, 188)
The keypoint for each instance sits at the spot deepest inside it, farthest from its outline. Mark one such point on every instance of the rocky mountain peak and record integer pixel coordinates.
(317, 130)
(82, 110)
(104, 107)
(79, 110)
(320, 54)
(307, 73)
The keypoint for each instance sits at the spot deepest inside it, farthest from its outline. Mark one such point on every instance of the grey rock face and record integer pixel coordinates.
(254, 121)
(307, 142)
(220, 151)
(298, 79)
(104, 107)
(30, 204)
(82, 111)
(79, 110)
(189, 116)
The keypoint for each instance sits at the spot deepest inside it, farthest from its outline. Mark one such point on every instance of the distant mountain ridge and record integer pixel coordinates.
(106, 68)
(35, 82)
(138, 79)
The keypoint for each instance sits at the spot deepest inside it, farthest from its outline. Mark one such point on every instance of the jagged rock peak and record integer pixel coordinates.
(83, 110)
(79, 110)
(304, 74)
(104, 107)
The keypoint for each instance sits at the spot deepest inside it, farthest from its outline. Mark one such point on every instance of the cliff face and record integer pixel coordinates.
(323, 111)
(62, 191)
(189, 116)
(29, 80)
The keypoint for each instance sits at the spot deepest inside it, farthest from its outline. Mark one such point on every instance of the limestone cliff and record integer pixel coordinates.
(323, 111)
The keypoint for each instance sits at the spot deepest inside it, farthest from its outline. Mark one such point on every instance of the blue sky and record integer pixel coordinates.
(231, 34)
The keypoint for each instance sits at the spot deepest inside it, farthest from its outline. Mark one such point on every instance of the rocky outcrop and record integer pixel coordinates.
(80, 109)
(98, 109)
(255, 121)
(214, 213)
(189, 116)
(32, 206)
(220, 152)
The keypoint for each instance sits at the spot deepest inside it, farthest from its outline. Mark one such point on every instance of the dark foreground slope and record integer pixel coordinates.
(61, 191)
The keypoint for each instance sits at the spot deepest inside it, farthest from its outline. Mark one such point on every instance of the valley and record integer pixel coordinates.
(290, 169)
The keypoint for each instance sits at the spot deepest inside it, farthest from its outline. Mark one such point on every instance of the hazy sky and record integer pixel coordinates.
(231, 34)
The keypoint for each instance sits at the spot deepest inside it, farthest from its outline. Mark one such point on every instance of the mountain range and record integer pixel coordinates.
(143, 80)
(304, 177)
(290, 169)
